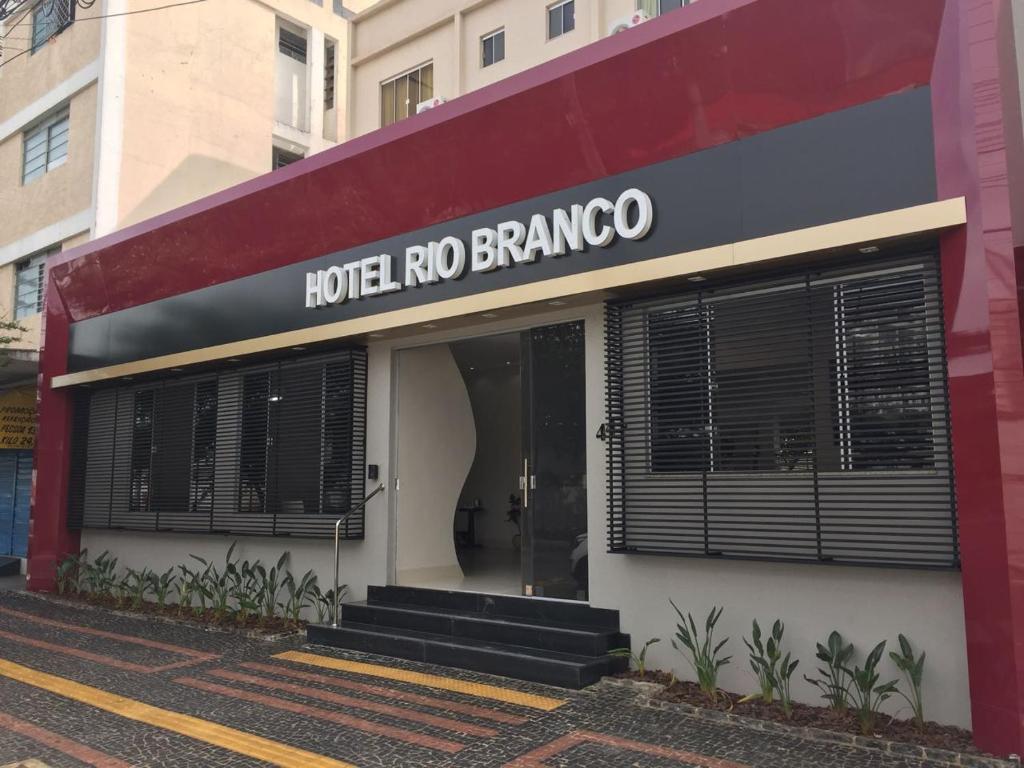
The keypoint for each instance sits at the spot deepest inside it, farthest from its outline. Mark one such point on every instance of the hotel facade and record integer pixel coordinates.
(723, 309)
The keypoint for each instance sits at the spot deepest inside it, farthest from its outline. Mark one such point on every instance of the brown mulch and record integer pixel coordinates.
(255, 624)
(804, 715)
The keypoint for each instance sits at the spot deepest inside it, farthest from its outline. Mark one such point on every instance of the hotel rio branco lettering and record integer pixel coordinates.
(595, 225)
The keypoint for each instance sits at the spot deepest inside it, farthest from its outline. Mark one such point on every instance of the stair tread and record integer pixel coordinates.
(476, 645)
(531, 623)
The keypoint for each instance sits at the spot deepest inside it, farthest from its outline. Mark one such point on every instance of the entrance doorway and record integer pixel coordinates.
(491, 464)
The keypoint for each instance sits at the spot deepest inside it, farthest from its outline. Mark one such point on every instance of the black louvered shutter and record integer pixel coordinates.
(799, 418)
(276, 449)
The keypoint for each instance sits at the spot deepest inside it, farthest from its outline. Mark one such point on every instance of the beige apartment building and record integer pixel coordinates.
(408, 52)
(116, 112)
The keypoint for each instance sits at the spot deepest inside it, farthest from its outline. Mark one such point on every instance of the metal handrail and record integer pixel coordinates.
(337, 549)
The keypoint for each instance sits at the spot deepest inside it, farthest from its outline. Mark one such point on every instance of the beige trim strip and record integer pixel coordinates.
(907, 221)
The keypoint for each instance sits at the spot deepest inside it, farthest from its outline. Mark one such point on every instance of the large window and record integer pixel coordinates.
(29, 282)
(50, 18)
(400, 95)
(45, 145)
(658, 7)
(803, 418)
(274, 449)
(561, 18)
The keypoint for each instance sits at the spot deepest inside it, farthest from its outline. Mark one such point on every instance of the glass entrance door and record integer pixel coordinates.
(554, 480)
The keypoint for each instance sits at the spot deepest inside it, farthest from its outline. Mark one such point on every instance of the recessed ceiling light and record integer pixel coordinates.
(508, 362)
(128, 378)
(298, 349)
(489, 315)
(869, 249)
(233, 360)
(556, 303)
(696, 278)
(376, 335)
(430, 325)
(176, 370)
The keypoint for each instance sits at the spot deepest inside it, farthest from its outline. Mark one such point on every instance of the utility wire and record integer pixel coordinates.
(108, 16)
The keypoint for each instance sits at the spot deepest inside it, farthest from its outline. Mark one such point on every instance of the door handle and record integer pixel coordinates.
(526, 482)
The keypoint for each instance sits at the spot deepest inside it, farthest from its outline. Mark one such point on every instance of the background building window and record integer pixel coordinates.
(329, 48)
(29, 283)
(400, 95)
(803, 418)
(50, 18)
(561, 18)
(658, 7)
(45, 145)
(274, 449)
(282, 157)
(492, 48)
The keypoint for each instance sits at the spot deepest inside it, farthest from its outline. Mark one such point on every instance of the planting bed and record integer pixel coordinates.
(933, 735)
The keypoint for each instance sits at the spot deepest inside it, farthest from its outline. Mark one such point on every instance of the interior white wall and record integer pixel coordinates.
(495, 396)
(866, 605)
(436, 445)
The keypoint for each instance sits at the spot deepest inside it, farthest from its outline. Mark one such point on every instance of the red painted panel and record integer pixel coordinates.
(986, 379)
(681, 83)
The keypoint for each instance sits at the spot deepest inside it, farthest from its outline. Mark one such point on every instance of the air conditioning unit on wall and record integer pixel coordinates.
(423, 106)
(628, 22)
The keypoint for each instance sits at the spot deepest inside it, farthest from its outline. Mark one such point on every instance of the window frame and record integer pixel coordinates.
(53, 127)
(277, 154)
(36, 13)
(37, 261)
(492, 37)
(288, 47)
(411, 105)
(559, 6)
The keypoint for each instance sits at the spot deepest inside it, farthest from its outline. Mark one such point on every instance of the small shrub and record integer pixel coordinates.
(135, 586)
(867, 693)
(835, 679)
(69, 573)
(913, 670)
(636, 660)
(702, 653)
(162, 584)
(300, 593)
(323, 602)
(100, 576)
(764, 659)
(215, 584)
(244, 588)
(269, 584)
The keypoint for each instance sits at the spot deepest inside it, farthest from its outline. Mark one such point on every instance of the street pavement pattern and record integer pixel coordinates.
(81, 686)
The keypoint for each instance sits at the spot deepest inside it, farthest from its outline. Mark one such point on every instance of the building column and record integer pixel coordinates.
(972, 102)
(316, 89)
(49, 539)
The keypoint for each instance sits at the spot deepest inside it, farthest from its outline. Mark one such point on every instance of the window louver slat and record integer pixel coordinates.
(803, 418)
(276, 449)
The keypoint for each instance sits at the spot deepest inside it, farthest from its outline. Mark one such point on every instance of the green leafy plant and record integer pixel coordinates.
(764, 659)
(162, 584)
(774, 671)
(69, 573)
(323, 602)
(215, 584)
(188, 588)
(867, 693)
(702, 653)
(101, 575)
(244, 588)
(135, 586)
(269, 586)
(637, 660)
(121, 590)
(913, 670)
(300, 593)
(835, 679)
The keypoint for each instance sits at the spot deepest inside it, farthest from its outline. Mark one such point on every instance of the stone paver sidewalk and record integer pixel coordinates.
(82, 687)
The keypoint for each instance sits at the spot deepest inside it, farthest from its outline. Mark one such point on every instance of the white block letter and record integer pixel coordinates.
(644, 214)
(594, 236)
(568, 234)
(314, 289)
(510, 241)
(485, 258)
(415, 265)
(538, 239)
(451, 257)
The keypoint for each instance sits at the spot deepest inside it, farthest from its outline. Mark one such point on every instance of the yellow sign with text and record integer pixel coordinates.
(18, 418)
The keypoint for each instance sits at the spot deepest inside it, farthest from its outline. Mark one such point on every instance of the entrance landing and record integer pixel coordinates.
(554, 642)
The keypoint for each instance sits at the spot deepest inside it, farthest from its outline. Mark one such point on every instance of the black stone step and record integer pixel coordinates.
(550, 636)
(10, 566)
(549, 667)
(535, 610)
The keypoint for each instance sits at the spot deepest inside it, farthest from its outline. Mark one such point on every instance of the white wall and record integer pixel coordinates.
(436, 445)
(866, 605)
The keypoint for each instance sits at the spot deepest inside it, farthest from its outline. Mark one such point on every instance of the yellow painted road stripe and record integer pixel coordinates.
(202, 730)
(506, 695)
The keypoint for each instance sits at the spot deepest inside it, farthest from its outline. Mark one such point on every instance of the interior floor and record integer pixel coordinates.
(495, 571)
